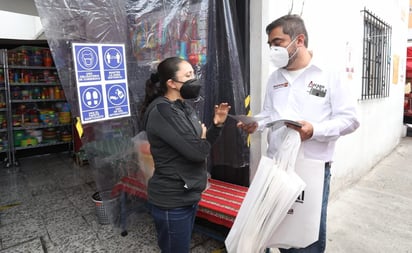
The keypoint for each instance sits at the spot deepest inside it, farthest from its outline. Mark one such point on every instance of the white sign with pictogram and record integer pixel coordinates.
(101, 78)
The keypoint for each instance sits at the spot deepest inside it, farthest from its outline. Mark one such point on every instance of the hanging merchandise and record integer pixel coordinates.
(163, 29)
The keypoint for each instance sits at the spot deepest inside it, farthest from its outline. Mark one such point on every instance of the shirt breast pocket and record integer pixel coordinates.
(314, 106)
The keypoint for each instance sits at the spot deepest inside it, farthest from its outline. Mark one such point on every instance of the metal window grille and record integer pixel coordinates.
(376, 57)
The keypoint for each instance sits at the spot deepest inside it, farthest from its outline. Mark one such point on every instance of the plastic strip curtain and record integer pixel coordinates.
(205, 33)
(151, 30)
(224, 79)
(108, 145)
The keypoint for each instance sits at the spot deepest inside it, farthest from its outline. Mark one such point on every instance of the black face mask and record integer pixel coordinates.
(190, 89)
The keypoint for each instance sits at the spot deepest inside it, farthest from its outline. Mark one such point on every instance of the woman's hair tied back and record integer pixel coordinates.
(154, 77)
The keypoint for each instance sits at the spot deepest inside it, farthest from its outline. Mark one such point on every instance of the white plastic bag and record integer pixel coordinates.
(272, 192)
(300, 228)
(142, 148)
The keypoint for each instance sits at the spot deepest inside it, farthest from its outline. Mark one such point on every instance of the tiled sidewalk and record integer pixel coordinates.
(46, 206)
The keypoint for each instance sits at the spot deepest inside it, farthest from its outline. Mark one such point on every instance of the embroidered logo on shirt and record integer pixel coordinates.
(316, 89)
(280, 85)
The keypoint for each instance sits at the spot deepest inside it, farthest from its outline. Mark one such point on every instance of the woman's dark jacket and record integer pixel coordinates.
(179, 154)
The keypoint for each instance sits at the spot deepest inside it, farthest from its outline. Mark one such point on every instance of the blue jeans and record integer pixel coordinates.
(320, 245)
(174, 227)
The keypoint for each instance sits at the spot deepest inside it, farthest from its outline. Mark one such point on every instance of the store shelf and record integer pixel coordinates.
(36, 111)
(40, 126)
(36, 100)
(44, 145)
(35, 84)
(31, 67)
(3, 151)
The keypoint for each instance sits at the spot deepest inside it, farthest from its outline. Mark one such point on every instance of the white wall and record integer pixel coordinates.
(336, 31)
(19, 26)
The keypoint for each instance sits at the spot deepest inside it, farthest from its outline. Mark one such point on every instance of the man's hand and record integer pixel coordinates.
(248, 128)
(305, 131)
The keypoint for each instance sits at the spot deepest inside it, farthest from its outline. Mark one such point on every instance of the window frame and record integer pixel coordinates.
(376, 59)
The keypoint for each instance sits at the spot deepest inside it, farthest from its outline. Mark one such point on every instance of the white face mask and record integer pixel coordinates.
(279, 56)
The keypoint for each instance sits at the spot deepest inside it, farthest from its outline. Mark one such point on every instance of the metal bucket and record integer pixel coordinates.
(106, 209)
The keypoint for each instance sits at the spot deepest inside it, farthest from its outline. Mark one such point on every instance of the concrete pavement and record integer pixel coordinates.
(375, 214)
(55, 213)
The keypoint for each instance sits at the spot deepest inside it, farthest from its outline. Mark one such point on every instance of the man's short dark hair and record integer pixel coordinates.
(292, 25)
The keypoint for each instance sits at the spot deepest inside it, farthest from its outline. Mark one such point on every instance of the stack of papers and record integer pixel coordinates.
(245, 119)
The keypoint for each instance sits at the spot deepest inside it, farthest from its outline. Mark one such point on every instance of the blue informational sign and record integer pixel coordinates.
(91, 99)
(117, 102)
(87, 64)
(101, 77)
(113, 63)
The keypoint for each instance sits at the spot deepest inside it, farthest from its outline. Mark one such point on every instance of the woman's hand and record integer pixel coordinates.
(204, 131)
(221, 112)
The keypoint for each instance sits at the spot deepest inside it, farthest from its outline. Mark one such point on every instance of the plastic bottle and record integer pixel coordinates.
(57, 94)
(47, 60)
(51, 93)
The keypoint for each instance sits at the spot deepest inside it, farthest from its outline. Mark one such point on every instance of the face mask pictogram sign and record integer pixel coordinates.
(101, 78)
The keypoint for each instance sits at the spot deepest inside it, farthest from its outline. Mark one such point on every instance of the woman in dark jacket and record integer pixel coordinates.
(179, 144)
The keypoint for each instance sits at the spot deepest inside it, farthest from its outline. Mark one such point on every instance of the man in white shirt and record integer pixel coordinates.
(303, 90)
